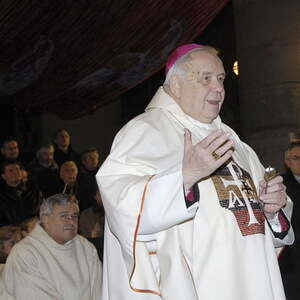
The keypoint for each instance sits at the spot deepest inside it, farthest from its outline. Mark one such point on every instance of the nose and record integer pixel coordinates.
(218, 85)
(71, 219)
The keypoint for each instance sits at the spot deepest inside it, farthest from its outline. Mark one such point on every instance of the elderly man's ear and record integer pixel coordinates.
(44, 219)
(175, 86)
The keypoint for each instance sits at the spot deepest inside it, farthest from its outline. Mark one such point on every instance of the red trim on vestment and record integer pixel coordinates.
(134, 244)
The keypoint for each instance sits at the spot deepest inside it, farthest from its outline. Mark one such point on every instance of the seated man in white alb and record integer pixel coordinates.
(53, 261)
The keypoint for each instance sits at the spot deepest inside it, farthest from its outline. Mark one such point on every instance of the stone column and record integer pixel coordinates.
(268, 51)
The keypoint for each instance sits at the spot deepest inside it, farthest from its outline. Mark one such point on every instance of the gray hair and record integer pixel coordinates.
(47, 205)
(177, 68)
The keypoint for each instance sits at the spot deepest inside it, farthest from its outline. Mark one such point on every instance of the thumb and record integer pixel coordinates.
(187, 139)
(262, 186)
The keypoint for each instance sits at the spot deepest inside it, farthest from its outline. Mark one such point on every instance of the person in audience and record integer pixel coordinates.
(68, 174)
(9, 236)
(91, 222)
(10, 149)
(63, 149)
(69, 184)
(90, 161)
(89, 166)
(291, 177)
(18, 200)
(53, 261)
(43, 169)
(25, 175)
(28, 225)
(290, 258)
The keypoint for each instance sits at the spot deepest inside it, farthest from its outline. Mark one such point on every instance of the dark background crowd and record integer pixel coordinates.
(54, 168)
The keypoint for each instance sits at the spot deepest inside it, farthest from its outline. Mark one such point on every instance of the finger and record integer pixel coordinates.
(275, 180)
(262, 186)
(278, 187)
(224, 148)
(219, 142)
(211, 137)
(219, 162)
(274, 198)
(187, 140)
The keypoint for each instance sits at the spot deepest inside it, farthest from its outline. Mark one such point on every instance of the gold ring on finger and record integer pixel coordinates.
(215, 155)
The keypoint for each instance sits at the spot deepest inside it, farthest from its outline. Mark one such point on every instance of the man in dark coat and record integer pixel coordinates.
(63, 149)
(290, 258)
(19, 200)
(43, 169)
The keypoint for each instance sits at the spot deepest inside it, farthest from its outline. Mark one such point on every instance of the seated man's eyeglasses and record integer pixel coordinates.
(294, 157)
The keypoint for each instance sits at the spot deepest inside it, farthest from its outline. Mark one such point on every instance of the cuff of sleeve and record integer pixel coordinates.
(192, 196)
(279, 225)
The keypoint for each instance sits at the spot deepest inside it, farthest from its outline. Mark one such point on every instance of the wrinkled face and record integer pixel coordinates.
(91, 160)
(68, 172)
(293, 160)
(12, 174)
(63, 139)
(45, 155)
(201, 91)
(10, 150)
(62, 223)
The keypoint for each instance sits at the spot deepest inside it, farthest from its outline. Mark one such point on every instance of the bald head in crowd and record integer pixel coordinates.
(68, 172)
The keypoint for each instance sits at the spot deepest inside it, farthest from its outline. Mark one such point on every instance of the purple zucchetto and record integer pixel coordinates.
(178, 53)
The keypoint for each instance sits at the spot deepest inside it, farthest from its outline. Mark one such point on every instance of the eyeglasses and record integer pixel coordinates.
(295, 157)
(66, 217)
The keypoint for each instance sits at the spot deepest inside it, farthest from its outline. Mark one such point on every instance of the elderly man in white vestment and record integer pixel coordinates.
(188, 212)
(53, 261)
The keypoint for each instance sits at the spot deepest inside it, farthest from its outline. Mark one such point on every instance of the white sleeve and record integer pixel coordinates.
(164, 204)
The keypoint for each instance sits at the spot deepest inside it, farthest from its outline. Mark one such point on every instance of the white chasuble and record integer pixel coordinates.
(156, 247)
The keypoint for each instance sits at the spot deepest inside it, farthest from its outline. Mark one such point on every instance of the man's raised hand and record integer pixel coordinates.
(202, 159)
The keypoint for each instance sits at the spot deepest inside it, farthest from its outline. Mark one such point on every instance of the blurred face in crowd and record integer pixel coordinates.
(12, 174)
(62, 223)
(24, 175)
(8, 244)
(68, 172)
(293, 160)
(28, 225)
(45, 156)
(91, 160)
(10, 150)
(98, 198)
(63, 140)
(200, 91)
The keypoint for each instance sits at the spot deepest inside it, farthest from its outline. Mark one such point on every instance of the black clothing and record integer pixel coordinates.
(60, 157)
(75, 189)
(44, 177)
(289, 260)
(88, 183)
(18, 203)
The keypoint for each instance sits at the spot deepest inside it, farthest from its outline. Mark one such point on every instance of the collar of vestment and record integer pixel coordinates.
(166, 103)
(40, 234)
